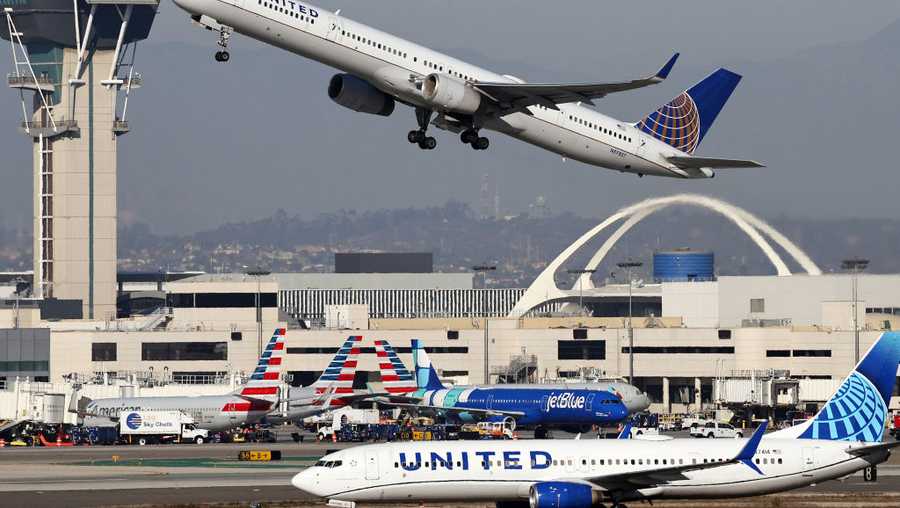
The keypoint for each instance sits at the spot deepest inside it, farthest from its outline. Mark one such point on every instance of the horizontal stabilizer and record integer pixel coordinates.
(683, 162)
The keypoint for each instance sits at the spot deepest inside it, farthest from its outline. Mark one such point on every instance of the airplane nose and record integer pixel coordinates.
(637, 403)
(303, 482)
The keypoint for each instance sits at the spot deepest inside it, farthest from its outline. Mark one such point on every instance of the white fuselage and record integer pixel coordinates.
(394, 65)
(505, 470)
(211, 412)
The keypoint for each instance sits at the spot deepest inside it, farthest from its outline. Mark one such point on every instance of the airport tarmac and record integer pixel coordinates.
(210, 474)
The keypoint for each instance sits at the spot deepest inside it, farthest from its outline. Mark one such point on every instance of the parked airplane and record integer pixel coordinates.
(843, 438)
(560, 406)
(382, 69)
(252, 402)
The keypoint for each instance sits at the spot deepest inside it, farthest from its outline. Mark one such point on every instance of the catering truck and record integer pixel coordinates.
(147, 427)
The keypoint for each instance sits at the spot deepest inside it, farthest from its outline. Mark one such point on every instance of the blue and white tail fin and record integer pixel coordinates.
(685, 120)
(426, 377)
(859, 409)
(395, 377)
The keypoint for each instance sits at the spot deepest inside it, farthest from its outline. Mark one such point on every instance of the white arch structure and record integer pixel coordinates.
(544, 287)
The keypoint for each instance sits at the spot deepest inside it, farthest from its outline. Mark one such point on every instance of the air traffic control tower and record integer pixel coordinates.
(74, 72)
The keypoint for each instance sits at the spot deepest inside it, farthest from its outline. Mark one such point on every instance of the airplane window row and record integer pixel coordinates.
(601, 462)
(277, 8)
(374, 44)
(598, 128)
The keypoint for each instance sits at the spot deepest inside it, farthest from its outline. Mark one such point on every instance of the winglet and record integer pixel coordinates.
(626, 432)
(749, 450)
(666, 69)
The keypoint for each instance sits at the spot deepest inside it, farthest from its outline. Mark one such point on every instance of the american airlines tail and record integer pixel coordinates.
(858, 410)
(394, 375)
(337, 378)
(265, 379)
(684, 121)
(426, 377)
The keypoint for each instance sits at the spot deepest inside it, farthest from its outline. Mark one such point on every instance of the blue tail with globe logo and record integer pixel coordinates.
(859, 409)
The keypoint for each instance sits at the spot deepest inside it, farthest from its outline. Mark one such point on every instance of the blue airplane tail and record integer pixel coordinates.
(685, 120)
(426, 377)
(858, 410)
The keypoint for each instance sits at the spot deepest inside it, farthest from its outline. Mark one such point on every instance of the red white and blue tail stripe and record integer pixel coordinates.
(338, 376)
(265, 379)
(394, 375)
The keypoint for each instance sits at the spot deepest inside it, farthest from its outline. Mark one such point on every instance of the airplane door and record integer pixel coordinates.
(334, 28)
(545, 404)
(371, 465)
(808, 457)
(589, 405)
(489, 403)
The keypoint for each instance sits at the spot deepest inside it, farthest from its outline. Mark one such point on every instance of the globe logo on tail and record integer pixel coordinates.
(856, 413)
(676, 124)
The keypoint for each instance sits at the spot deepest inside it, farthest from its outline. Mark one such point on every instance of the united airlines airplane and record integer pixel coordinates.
(576, 407)
(380, 70)
(843, 438)
(252, 402)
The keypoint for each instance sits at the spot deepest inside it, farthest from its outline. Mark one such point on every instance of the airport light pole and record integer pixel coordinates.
(854, 266)
(580, 272)
(628, 266)
(259, 274)
(482, 269)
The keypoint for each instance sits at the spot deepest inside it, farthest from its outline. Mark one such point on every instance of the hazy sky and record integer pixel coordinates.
(213, 143)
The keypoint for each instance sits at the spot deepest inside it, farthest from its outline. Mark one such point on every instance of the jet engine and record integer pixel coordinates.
(359, 95)
(562, 495)
(507, 421)
(450, 94)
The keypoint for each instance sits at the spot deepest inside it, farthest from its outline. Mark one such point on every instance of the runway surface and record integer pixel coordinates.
(171, 475)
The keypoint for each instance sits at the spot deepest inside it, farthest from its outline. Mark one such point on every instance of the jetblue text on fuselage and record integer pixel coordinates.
(567, 400)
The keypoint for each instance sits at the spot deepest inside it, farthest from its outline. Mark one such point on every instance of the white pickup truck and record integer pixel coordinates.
(716, 430)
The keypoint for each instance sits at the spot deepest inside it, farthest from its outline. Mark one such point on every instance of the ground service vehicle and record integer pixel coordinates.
(146, 427)
(716, 429)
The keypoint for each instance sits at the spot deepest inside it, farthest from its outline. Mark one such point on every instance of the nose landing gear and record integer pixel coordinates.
(224, 36)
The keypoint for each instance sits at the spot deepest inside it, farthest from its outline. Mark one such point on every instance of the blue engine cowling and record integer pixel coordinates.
(562, 495)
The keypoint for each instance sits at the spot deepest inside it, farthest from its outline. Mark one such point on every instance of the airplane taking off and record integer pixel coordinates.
(576, 407)
(381, 69)
(842, 439)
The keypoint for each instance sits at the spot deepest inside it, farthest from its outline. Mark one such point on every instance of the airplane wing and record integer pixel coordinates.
(518, 96)
(653, 477)
(690, 162)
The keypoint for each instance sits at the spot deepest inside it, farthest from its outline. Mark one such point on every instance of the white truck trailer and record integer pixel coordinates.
(147, 427)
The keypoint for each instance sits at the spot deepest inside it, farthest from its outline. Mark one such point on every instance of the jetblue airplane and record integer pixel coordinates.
(842, 439)
(251, 403)
(380, 70)
(576, 408)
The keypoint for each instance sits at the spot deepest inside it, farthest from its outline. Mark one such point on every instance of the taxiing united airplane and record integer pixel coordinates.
(843, 438)
(381, 69)
(576, 407)
(252, 402)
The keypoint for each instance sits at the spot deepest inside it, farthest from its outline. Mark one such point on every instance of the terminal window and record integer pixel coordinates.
(778, 353)
(581, 350)
(178, 351)
(757, 305)
(819, 353)
(103, 352)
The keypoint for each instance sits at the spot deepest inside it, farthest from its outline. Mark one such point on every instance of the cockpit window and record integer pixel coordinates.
(336, 463)
(320, 463)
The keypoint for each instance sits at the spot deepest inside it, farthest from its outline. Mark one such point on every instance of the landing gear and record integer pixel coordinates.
(224, 36)
(470, 137)
(419, 137)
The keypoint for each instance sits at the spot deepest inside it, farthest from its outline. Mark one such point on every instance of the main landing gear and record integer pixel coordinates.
(224, 36)
(425, 142)
(471, 137)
